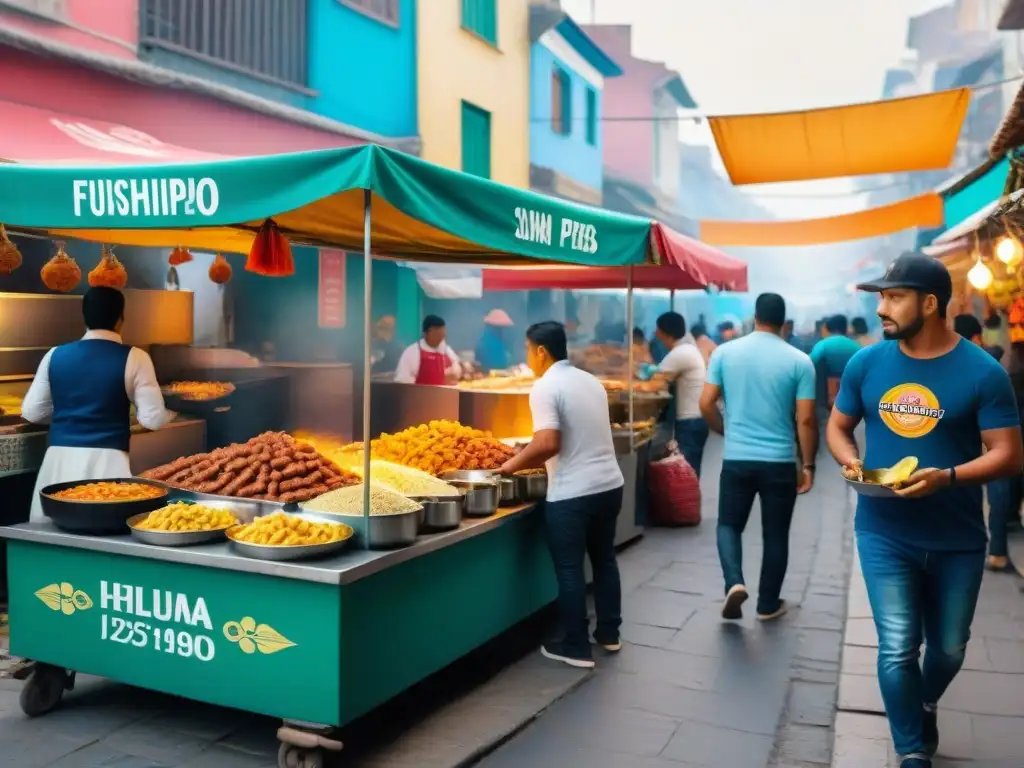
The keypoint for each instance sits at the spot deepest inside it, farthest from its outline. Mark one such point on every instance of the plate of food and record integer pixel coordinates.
(289, 536)
(100, 506)
(183, 523)
(199, 391)
(883, 482)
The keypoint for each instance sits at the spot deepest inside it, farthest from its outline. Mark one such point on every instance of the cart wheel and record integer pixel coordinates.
(43, 690)
(289, 756)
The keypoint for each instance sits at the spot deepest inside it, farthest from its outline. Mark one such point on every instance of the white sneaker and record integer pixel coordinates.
(732, 608)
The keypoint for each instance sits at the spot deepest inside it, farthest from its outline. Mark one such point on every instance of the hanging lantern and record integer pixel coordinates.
(10, 256)
(980, 276)
(271, 254)
(61, 273)
(1008, 250)
(179, 256)
(109, 273)
(220, 270)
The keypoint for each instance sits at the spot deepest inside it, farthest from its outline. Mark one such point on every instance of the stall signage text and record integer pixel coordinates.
(146, 197)
(537, 227)
(331, 289)
(143, 618)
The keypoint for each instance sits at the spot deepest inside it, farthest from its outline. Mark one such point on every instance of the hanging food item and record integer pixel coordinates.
(61, 273)
(271, 254)
(179, 256)
(109, 272)
(220, 270)
(10, 256)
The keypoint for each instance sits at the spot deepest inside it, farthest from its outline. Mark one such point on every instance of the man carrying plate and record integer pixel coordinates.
(928, 393)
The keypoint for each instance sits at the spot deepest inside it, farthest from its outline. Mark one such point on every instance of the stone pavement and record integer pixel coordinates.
(981, 717)
(688, 689)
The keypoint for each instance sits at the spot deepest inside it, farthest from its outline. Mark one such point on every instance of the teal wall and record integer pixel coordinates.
(976, 195)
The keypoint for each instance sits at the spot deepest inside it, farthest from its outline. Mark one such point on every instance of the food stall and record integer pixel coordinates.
(238, 622)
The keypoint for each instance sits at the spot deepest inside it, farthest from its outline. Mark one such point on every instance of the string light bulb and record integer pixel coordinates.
(980, 276)
(1008, 250)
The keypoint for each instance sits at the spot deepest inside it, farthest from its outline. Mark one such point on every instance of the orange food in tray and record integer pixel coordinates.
(102, 491)
(200, 390)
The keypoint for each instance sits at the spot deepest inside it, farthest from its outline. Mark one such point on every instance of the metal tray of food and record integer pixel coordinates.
(281, 553)
(97, 517)
(243, 513)
(872, 489)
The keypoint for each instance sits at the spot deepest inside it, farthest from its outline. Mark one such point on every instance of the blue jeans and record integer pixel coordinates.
(691, 435)
(1004, 497)
(916, 594)
(576, 527)
(775, 483)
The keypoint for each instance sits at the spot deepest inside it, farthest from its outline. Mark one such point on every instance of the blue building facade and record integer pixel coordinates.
(567, 74)
(362, 64)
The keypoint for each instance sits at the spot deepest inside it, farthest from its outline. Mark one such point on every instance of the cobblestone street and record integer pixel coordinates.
(687, 690)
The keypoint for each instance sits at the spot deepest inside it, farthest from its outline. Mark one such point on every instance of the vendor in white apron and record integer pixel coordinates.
(84, 390)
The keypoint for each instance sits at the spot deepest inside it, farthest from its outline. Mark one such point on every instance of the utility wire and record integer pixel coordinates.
(701, 118)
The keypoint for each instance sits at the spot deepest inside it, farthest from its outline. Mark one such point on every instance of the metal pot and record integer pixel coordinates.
(479, 489)
(508, 492)
(441, 514)
(384, 531)
(532, 487)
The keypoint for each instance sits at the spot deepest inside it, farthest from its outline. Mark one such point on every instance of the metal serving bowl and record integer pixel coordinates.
(480, 489)
(441, 514)
(244, 512)
(532, 487)
(295, 552)
(383, 531)
(508, 492)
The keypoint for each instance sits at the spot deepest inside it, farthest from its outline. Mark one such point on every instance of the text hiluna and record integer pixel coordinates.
(159, 604)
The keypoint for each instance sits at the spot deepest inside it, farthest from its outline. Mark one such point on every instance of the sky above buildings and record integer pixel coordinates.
(748, 56)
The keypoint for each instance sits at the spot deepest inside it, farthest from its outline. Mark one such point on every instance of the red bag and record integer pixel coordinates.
(674, 491)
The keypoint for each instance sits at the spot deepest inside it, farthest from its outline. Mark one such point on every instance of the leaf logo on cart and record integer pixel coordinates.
(537, 227)
(252, 637)
(64, 598)
(135, 198)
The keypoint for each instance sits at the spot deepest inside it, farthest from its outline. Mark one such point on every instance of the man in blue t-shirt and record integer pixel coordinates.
(830, 356)
(768, 389)
(923, 392)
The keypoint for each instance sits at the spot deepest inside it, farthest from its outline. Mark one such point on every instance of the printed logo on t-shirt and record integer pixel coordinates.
(910, 410)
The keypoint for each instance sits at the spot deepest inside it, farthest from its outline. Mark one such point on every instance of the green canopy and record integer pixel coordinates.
(419, 210)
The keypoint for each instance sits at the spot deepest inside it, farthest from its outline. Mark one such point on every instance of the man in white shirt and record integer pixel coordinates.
(573, 438)
(684, 367)
(84, 390)
(430, 361)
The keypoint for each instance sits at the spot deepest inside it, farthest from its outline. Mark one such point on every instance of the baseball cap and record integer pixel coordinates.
(917, 272)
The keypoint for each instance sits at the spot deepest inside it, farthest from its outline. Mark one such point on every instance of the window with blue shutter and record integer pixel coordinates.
(561, 101)
(591, 116)
(476, 140)
(481, 18)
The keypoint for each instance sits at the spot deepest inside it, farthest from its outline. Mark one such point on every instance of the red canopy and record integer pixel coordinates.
(689, 264)
(704, 263)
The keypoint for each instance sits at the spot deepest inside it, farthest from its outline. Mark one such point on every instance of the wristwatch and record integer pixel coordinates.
(952, 476)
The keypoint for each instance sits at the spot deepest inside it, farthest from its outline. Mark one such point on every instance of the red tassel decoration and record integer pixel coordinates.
(179, 256)
(271, 253)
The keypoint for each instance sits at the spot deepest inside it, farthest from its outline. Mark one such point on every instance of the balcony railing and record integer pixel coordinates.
(265, 39)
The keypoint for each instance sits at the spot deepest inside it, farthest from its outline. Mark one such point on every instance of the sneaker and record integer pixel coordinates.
(931, 732)
(557, 652)
(915, 761)
(732, 608)
(780, 611)
(613, 647)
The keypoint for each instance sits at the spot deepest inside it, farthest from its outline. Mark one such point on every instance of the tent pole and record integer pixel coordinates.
(629, 355)
(367, 343)
(672, 300)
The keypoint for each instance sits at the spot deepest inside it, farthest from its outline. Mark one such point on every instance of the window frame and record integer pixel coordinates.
(592, 116)
(478, 111)
(474, 29)
(561, 113)
(358, 7)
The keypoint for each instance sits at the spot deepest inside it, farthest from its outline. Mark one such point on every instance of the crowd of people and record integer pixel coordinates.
(926, 390)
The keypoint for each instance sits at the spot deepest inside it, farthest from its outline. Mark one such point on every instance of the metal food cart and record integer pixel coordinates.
(312, 644)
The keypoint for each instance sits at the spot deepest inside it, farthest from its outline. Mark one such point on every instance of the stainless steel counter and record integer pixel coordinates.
(345, 568)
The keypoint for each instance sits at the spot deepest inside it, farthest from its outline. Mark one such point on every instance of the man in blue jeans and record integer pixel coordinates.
(683, 367)
(768, 388)
(923, 392)
(572, 436)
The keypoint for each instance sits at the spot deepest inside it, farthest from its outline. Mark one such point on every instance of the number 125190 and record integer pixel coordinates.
(161, 639)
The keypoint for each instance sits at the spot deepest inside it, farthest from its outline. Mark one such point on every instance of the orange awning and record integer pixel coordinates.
(921, 211)
(918, 133)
